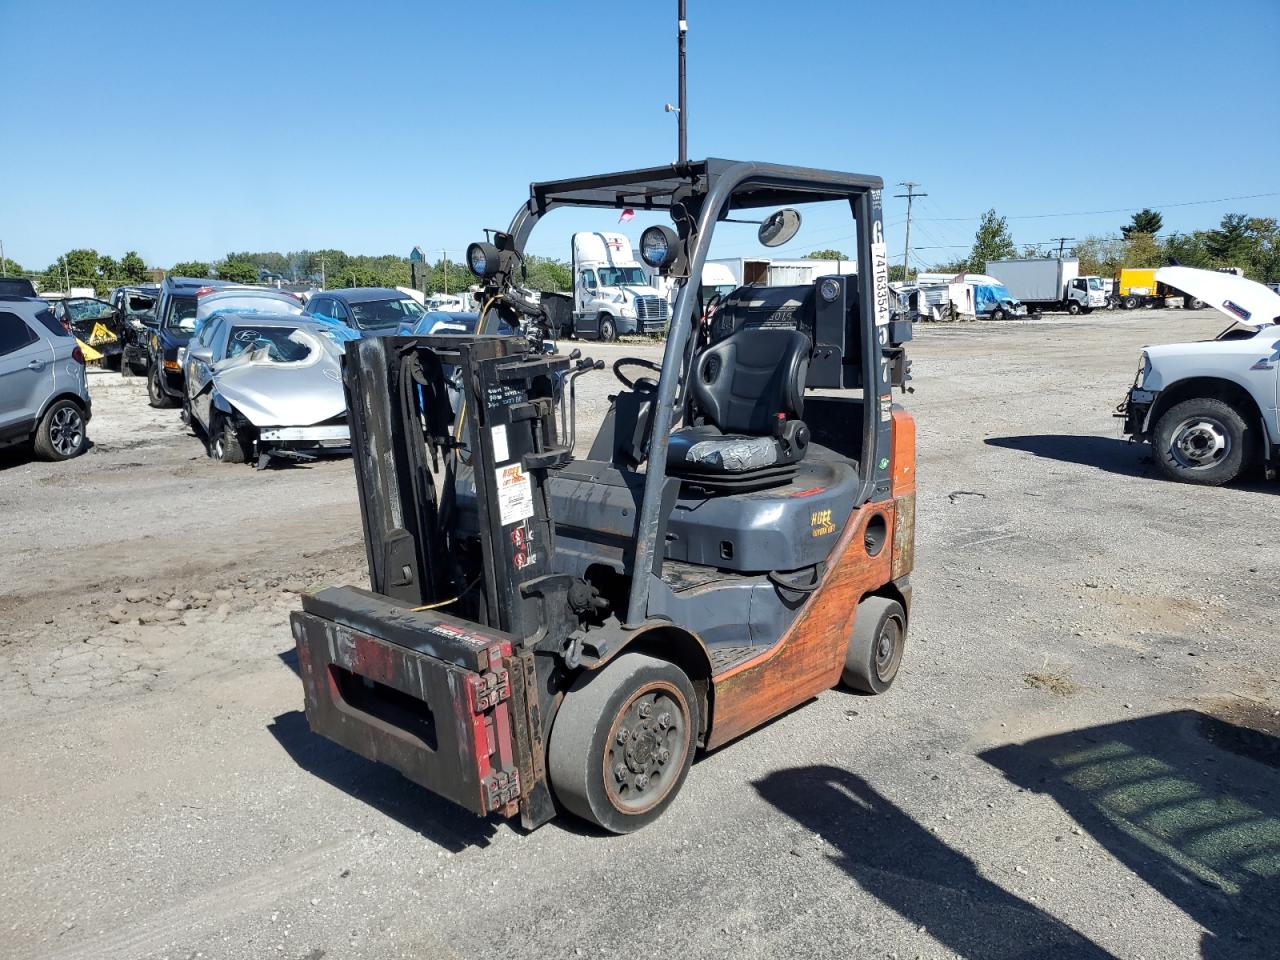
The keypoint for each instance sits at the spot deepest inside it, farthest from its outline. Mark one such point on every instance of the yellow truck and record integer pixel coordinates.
(1138, 287)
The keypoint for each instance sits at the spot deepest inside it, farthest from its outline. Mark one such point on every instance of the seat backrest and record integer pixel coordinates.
(744, 381)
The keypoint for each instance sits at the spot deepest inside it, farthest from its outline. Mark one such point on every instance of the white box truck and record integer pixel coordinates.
(612, 294)
(1047, 283)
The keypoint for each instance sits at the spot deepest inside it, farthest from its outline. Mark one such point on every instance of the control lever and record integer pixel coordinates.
(569, 407)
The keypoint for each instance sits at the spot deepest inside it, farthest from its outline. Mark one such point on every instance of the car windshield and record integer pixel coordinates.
(182, 313)
(1095, 283)
(278, 344)
(618, 276)
(384, 313)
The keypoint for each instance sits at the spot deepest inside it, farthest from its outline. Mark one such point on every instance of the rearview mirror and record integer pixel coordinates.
(779, 227)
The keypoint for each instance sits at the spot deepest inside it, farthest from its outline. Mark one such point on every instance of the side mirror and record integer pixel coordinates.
(148, 320)
(779, 227)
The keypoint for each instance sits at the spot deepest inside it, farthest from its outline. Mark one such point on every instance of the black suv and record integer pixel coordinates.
(17, 287)
(175, 321)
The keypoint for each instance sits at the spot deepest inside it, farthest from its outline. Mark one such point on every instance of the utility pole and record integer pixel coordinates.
(1062, 241)
(906, 248)
(683, 118)
(444, 255)
(4, 264)
(66, 272)
(322, 266)
(682, 100)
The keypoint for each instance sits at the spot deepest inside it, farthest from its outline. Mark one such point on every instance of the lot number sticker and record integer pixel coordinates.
(515, 494)
(880, 277)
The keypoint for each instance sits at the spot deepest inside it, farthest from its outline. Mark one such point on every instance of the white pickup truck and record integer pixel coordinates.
(1209, 408)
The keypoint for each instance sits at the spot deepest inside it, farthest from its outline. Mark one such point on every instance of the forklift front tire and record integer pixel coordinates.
(623, 742)
(875, 648)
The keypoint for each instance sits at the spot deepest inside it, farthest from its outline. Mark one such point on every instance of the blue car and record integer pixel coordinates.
(373, 311)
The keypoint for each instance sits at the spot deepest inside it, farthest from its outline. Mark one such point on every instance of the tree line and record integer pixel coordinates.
(1239, 240)
(333, 268)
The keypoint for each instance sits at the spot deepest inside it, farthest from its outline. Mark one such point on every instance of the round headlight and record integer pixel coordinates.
(830, 289)
(482, 258)
(658, 246)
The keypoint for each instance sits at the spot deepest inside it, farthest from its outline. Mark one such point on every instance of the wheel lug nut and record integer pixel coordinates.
(645, 709)
(642, 781)
(624, 735)
(664, 756)
(620, 771)
(664, 720)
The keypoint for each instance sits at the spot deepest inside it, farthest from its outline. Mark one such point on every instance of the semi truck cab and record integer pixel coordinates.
(612, 293)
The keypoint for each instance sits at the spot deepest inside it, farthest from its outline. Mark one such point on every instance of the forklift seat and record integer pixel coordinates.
(749, 390)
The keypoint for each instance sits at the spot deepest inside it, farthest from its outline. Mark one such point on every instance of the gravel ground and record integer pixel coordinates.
(1079, 758)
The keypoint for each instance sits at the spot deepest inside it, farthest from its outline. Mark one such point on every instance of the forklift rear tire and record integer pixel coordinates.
(875, 649)
(623, 742)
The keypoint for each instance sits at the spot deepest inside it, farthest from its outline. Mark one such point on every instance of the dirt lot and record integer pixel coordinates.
(1078, 760)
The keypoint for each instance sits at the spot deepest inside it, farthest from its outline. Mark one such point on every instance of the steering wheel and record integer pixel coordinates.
(635, 362)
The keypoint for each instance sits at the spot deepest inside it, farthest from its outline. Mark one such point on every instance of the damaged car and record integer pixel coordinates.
(1208, 408)
(262, 386)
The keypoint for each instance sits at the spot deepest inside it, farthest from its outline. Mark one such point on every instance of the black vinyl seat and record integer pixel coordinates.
(749, 390)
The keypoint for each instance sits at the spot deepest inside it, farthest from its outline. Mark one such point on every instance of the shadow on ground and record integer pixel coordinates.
(910, 870)
(1189, 801)
(380, 787)
(1103, 453)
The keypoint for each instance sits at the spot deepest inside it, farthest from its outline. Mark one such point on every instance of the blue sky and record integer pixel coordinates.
(188, 130)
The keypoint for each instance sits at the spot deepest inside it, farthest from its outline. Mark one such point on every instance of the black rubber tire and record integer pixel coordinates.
(1073, 308)
(1226, 418)
(583, 736)
(606, 329)
(1191, 303)
(1130, 303)
(61, 433)
(129, 370)
(155, 392)
(225, 444)
(878, 619)
(998, 314)
(112, 363)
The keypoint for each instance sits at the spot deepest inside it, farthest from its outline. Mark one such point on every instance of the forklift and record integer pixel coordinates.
(551, 632)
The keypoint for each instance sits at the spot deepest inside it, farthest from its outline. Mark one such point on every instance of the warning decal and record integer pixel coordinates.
(515, 494)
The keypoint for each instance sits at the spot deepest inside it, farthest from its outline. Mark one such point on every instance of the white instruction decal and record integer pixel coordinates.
(501, 452)
(880, 279)
(515, 494)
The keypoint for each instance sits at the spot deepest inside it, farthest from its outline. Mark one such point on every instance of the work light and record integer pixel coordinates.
(658, 246)
(482, 258)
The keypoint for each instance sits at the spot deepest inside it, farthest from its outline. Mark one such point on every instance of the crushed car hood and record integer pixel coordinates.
(1244, 301)
(273, 394)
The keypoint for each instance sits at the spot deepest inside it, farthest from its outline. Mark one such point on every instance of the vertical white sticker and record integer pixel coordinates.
(501, 452)
(880, 280)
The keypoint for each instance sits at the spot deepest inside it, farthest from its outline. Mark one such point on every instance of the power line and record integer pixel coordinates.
(1091, 213)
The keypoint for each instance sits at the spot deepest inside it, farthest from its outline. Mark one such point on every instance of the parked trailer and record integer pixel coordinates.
(1050, 283)
(783, 273)
(1138, 287)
